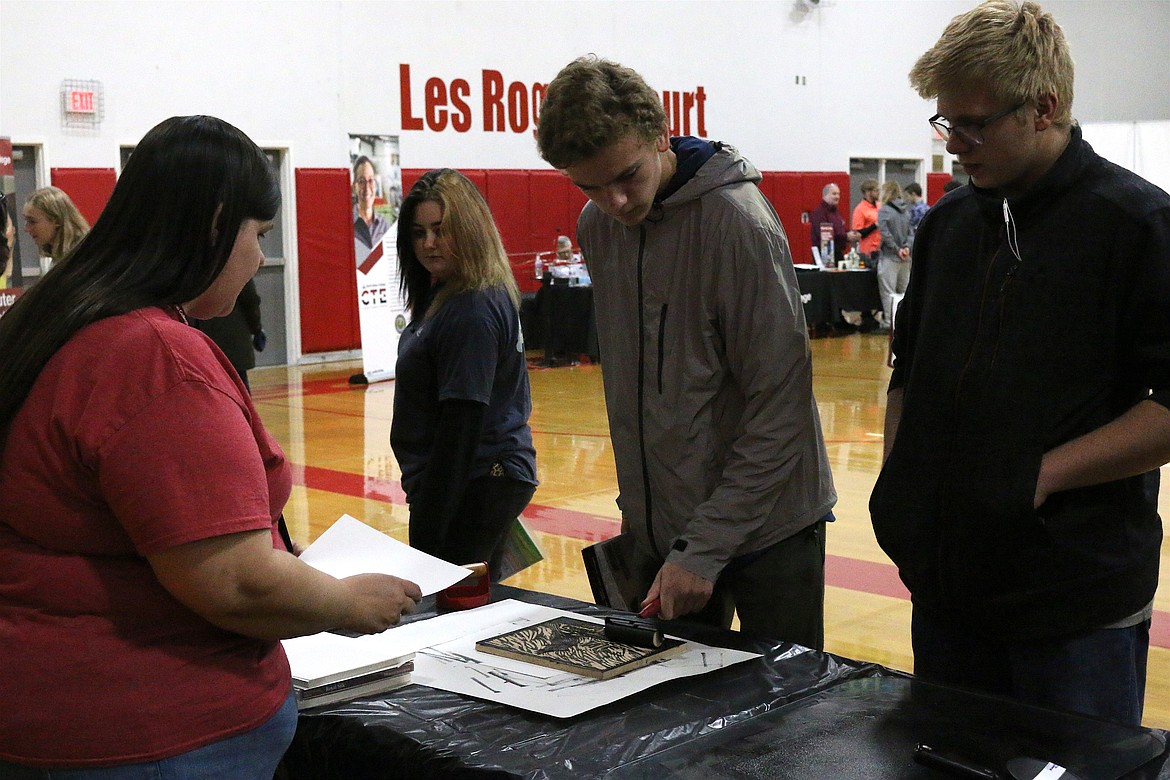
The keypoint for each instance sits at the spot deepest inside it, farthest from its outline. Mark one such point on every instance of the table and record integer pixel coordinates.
(569, 326)
(829, 292)
(793, 713)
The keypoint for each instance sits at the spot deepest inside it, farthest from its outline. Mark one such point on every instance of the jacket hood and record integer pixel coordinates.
(726, 167)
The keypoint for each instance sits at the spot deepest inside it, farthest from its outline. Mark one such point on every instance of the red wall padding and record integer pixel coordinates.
(551, 215)
(509, 199)
(409, 177)
(88, 188)
(327, 276)
(934, 186)
(531, 208)
(795, 193)
(783, 190)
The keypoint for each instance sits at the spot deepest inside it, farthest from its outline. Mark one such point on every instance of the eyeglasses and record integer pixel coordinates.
(970, 132)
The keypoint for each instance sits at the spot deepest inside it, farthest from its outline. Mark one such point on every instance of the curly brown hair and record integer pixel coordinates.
(591, 104)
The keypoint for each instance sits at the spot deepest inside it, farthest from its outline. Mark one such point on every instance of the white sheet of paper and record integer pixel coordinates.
(457, 666)
(320, 655)
(351, 547)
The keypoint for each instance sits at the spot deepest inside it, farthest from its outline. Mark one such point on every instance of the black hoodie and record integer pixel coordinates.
(1004, 350)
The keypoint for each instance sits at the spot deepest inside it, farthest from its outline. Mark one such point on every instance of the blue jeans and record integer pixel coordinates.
(252, 755)
(1101, 673)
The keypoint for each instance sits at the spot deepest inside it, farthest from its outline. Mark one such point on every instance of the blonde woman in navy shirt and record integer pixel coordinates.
(462, 400)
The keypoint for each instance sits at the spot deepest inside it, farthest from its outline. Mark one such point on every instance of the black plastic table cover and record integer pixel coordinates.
(827, 293)
(793, 713)
(567, 319)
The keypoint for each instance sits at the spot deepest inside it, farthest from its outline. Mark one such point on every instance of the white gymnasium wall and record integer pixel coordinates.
(306, 74)
(1142, 147)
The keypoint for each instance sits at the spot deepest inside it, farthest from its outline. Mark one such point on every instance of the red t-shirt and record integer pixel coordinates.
(137, 437)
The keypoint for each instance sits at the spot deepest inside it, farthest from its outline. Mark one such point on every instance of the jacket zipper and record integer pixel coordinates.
(661, 345)
(649, 501)
(999, 303)
(1002, 305)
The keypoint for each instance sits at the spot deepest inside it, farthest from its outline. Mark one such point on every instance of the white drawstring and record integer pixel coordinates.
(1010, 223)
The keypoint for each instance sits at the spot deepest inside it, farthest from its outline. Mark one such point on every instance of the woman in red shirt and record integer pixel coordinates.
(143, 583)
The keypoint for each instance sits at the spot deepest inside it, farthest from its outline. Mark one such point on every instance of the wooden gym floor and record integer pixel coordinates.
(337, 438)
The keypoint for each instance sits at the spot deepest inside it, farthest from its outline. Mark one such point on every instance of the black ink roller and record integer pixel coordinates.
(633, 630)
(951, 764)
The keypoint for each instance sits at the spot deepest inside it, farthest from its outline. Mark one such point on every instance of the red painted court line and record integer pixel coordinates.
(879, 579)
(563, 522)
(348, 484)
(545, 432)
(575, 525)
(1160, 629)
(309, 388)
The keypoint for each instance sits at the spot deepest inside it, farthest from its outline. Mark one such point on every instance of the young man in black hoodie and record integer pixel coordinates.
(1027, 413)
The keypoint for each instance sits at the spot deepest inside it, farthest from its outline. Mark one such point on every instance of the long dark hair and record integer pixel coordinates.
(469, 228)
(153, 245)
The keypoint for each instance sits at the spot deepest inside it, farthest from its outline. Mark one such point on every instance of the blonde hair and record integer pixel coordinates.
(1017, 50)
(71, 226)
(478, 252)
(891, 191)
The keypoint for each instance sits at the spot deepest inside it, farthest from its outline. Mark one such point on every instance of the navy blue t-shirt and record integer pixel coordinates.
(472, 350)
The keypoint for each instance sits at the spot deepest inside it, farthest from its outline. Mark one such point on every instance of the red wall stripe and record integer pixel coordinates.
(327, 269)
(934, 186)
(532, 207)
(88, 188)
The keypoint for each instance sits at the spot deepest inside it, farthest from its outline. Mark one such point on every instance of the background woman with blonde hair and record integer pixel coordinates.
(894, 252)
(54, 222)
(461, 400)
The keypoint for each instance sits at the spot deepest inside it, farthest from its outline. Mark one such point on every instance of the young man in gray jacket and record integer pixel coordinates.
(722, 472)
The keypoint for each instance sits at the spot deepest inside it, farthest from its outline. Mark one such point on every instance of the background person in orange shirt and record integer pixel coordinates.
(865, 218)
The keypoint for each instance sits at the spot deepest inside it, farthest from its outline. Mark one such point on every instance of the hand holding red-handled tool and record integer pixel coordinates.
(676, 592)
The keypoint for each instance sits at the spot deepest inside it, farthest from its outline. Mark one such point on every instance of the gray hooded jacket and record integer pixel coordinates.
(707, 371)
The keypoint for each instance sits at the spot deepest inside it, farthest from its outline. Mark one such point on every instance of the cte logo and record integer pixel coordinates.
(374, 296)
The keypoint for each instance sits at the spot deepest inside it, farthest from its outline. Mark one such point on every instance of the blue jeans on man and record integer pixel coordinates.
(1101, 672)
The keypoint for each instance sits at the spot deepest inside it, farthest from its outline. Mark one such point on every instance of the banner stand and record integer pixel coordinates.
(381, 311)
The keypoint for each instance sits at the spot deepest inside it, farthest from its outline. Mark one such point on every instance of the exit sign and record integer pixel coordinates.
(80, 102)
